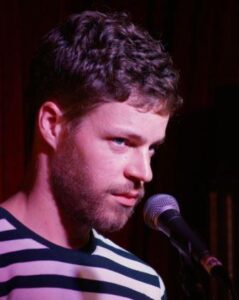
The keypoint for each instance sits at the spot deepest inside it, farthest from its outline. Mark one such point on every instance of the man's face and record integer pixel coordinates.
(99, 168)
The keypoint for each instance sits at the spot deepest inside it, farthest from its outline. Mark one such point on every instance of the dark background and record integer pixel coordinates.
(198, 163)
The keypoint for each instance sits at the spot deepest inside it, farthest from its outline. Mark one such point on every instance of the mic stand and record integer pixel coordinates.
(191, 280)
(191, 283)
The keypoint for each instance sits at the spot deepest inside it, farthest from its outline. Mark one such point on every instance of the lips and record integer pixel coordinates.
(128, 199)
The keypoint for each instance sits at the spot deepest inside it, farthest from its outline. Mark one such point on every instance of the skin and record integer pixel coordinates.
(89, 175)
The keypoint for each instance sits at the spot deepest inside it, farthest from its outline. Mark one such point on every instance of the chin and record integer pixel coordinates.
(111, 225)
(108, 219)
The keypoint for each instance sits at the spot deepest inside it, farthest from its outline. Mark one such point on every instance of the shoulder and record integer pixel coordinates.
(6, 220)
(105, 245)
(130, 264)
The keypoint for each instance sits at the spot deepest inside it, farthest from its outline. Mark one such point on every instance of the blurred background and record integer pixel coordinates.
(199, 162)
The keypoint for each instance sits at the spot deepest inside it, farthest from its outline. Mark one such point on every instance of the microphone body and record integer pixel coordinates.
(161, 212)
(181, 236)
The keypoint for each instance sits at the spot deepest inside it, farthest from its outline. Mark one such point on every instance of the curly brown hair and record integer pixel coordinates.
(93, 58)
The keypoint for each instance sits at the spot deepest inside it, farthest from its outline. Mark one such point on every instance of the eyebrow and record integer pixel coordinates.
(159, 142)
(138, 137)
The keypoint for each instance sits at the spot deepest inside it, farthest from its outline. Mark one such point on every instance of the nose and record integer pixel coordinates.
(139, 168)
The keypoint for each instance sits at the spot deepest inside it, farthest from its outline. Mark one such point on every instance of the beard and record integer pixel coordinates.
(77, 197)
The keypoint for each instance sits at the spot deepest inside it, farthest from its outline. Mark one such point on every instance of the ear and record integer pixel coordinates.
(50, 123)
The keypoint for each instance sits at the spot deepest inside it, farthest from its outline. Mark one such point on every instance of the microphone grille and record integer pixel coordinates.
(156, 205)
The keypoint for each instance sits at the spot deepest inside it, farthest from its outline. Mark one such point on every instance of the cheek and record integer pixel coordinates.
(100, 161)
(107, 167)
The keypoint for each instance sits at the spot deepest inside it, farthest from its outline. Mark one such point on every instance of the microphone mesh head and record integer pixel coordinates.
(156, 205)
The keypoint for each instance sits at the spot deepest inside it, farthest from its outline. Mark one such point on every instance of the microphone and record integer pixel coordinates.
(161, 212)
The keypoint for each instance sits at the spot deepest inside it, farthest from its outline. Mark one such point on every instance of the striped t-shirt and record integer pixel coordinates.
(33, 268)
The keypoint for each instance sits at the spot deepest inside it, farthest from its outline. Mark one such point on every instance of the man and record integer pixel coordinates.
(101, 93)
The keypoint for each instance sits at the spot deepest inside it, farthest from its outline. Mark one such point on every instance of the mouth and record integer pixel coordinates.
(128, 199)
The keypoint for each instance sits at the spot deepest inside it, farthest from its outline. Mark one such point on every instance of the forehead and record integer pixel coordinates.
(117, 118)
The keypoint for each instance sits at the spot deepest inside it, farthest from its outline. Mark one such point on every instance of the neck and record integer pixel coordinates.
(37, 209)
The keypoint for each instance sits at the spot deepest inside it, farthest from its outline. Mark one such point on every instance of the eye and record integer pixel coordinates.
(153, 149)
(120, 141)
(120, 144)
(151, 152)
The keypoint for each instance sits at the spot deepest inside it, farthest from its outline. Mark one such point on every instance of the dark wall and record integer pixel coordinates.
(200, 154)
